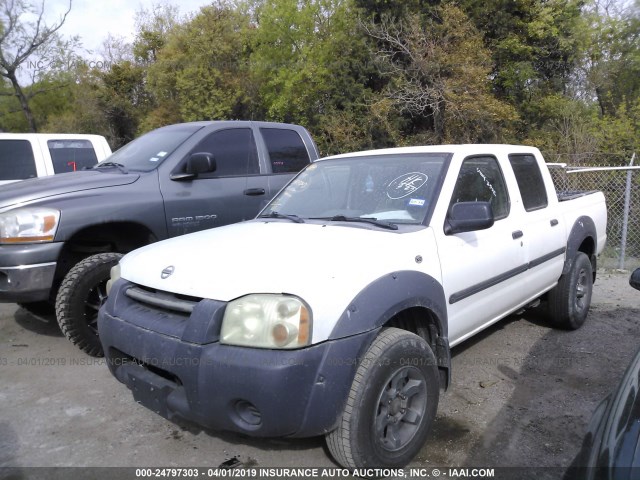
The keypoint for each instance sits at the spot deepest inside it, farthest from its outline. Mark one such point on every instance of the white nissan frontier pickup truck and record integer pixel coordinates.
(334, 311)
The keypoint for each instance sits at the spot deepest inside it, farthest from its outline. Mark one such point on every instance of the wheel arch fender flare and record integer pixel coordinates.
(583, 229)
(386, 296)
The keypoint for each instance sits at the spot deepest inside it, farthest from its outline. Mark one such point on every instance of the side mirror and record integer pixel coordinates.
(468, 217)
(200, 162)
(634, 281)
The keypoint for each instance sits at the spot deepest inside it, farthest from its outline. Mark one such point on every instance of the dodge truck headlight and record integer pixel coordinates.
(29, 225)
(267, 321)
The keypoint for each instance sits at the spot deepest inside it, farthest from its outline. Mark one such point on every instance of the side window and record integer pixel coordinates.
(234, 150)
(480, 180)
(16, 160)
(530, 183)
(71, 155)
(286, 150)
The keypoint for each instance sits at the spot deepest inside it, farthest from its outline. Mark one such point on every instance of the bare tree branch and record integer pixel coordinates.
(19, 39)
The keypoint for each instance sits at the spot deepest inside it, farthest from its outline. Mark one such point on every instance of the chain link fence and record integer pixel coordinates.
(619, 180)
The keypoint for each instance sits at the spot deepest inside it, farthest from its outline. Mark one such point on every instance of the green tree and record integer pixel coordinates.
(306, 56)
(201, 73)
(533, 44)
(21, 39)
(439, 75)
(611, 61)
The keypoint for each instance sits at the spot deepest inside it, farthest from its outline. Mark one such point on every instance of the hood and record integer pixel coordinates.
(43, 187)
(325, 265)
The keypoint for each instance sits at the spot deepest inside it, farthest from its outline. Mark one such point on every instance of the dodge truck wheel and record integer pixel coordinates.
(569, 301)
(392, 402)
(81, 294)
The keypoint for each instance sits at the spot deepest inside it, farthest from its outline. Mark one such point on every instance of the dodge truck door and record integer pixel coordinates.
(480, 268)
(233, 191)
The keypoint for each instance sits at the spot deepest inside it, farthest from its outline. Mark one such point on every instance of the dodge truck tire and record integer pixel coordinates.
(391, 405)
(81, 294)
(570, 299)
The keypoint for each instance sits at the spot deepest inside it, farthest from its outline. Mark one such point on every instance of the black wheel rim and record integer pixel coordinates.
(401, 408)
(95, 299)
(582, 290)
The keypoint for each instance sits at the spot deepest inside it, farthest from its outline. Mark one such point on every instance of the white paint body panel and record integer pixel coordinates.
(328, 265)
(42, 155)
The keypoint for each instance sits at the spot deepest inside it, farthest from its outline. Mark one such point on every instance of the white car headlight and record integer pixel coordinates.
(29, 225)
(267, 321)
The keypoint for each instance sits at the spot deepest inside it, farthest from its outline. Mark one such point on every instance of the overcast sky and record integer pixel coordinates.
(92, 20)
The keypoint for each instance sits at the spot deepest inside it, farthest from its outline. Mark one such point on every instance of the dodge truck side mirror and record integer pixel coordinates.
(199, 162)
(468, 217)
(634, 281)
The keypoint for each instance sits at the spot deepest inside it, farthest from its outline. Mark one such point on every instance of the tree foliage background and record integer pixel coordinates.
(563, 75)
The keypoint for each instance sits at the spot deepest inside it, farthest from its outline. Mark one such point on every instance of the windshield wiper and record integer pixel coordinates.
(370, 220)
(293, 218)
(119, 166)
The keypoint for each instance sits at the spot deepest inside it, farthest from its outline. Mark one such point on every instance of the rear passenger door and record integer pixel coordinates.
(543, 232)
(235, 191)
(287, 155)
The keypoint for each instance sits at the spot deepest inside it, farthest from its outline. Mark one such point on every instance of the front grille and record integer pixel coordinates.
(182, 304)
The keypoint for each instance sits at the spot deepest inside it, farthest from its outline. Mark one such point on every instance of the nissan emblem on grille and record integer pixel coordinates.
(167, 272)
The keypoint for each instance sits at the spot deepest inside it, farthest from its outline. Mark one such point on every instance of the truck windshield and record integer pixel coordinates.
(148, 151)
(388, 189)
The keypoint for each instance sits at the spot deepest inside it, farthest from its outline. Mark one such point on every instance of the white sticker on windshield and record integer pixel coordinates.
(154, 159)
(417, 202)
(406, 184)
(161, 154)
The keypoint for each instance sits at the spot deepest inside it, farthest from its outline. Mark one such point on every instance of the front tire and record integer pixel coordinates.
(81, 294)
(391, 405)
(570, 299)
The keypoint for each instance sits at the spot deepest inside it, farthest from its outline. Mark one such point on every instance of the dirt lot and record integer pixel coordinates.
(522, 395)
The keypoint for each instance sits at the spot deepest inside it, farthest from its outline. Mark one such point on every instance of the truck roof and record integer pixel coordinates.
(463, 149)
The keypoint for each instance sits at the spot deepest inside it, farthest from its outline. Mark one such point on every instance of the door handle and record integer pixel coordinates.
(517, 234)
(554, 222)
(254, 192)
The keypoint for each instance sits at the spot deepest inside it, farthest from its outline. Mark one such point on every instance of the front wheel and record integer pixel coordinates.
(391, 405)
(81, 294)
(570, 299)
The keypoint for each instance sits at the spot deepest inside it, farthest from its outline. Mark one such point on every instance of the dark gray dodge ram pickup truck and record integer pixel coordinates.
(60, 235)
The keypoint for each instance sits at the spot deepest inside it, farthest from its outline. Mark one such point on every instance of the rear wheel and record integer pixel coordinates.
(81, 294)
(391, 405)
(570, 299)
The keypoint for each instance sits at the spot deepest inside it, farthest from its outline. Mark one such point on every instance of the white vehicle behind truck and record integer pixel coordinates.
(333, 313)
(31, 155)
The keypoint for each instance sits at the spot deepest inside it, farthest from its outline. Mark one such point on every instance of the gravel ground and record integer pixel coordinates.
(522, 395)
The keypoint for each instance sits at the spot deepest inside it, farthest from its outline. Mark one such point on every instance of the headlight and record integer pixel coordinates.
(115, 275)
(28, 225)
(267, 321)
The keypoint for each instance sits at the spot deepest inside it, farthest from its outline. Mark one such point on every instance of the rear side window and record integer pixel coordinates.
(286, 150)
(234, 151)
(16, 160)
(71, 155)
(530, 183)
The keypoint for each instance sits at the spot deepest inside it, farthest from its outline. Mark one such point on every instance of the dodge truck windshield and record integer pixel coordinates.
(382, 190)
(148, 151)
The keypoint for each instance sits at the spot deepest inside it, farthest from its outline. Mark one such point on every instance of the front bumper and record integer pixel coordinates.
(27, 271)
(258, 392)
